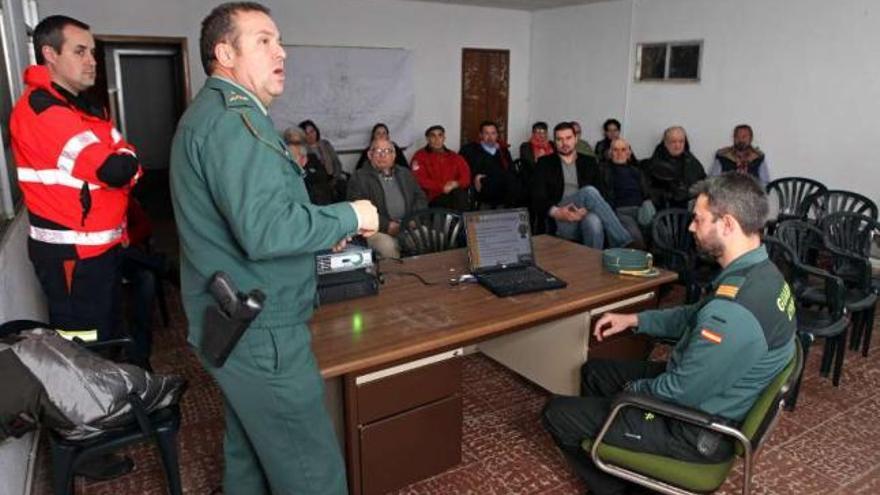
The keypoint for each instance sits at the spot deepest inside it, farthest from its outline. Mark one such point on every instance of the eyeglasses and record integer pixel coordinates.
(382, 151)
(296, 143)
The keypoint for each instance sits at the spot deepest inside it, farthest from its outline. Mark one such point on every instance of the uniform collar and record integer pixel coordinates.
(235, 95)
(745, 260)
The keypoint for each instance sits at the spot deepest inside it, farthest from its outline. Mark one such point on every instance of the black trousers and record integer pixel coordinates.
(570, 420)
(83, 294)
(456, 199)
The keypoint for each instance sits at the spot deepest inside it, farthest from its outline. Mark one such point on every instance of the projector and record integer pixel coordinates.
(350, 258)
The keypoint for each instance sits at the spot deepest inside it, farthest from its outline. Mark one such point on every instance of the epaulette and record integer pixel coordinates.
(729, 287)
(235, 98)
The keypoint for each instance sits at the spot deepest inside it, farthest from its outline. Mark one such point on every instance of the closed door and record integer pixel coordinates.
(146, 92)
(485, 81)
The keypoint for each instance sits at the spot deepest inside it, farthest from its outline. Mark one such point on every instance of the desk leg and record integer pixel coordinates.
(352, 435)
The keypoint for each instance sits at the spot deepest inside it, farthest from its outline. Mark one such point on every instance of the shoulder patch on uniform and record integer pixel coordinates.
(729, 287)
(236, 99)
(711, 336)
(41, 100)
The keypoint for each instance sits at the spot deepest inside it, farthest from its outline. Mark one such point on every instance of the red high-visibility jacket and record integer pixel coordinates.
(74, 169)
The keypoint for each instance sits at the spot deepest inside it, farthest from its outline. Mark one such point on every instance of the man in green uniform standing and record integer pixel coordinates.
(241, 207)
(730, 346)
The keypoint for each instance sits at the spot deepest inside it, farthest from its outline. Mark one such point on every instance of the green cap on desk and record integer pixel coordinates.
(626, 261)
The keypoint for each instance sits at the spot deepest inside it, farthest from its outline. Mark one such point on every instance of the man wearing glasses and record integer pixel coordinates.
(392, 189)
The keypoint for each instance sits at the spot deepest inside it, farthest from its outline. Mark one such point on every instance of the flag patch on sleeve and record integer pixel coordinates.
(713, 337)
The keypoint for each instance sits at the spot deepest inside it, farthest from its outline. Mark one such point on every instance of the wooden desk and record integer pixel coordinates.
(409, 320)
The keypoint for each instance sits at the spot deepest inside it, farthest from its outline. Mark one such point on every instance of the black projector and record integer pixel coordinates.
(345, 275)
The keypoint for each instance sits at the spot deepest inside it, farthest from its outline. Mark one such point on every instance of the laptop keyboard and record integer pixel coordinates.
(525, 279)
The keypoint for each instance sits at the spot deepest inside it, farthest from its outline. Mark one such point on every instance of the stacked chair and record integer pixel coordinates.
(788, 197)
(430, 231)
(848, 237)
(674, 249)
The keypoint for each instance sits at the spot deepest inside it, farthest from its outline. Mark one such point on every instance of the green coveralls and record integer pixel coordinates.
(241, 207)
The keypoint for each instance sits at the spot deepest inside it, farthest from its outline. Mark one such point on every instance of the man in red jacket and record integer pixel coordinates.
(75, 171)
(442, 173)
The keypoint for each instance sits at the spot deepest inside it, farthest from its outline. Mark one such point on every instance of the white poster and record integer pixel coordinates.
(345, 91)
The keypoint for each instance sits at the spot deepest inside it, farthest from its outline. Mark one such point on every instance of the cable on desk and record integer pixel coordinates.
(416, 275)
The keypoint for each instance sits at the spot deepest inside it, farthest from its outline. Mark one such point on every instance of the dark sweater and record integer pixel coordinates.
(671, 177)
(365, 184)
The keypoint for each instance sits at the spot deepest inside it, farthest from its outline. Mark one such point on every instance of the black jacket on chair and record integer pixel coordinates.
(548, 184)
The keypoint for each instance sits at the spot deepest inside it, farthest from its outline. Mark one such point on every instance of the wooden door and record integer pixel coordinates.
(485, 81)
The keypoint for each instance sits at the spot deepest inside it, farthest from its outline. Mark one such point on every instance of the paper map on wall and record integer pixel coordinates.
(347, 90)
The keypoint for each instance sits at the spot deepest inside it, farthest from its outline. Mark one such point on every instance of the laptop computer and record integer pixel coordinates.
(500, 254)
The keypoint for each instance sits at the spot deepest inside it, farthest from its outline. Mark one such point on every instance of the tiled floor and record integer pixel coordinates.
(829, 445)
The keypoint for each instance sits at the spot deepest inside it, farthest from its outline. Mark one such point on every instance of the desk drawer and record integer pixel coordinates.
(414, 445)
(625, 345)
(401, 391)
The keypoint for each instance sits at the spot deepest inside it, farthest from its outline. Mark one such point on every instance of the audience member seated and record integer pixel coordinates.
(442, 173)
(672, 170)
(326, 154)
(611, 129)
(564, 188)
(582, 147)
(729, 347)
(492, 176)
(319, 183)
(537, 146)
(742, 157)
(394, 191)
(625, 188)
(380, 130)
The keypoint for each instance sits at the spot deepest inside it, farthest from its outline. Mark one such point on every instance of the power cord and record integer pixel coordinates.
(381, 275)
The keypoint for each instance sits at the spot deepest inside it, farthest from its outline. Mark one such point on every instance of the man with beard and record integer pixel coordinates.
(564, 190)
(672, 170)
(730, 346)
(742, 157)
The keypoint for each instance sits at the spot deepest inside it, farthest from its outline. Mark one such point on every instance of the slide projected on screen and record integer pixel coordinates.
(347, 90)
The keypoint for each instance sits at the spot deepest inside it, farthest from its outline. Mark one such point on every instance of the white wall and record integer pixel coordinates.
(435, 33)
(580, 64)
(802, 73)
(20, 294)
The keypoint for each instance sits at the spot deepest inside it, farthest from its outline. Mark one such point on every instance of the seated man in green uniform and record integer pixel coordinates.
(730, 346)
(242, 207)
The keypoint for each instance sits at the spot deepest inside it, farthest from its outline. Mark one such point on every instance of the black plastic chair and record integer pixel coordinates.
(788, 194)
(430, 231)
(674, 249)
(827, 320)
(804, 238)
(160, 426)
(848, 237)
(822, 204)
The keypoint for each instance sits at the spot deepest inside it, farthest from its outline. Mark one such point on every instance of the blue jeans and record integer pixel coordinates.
(599, 221)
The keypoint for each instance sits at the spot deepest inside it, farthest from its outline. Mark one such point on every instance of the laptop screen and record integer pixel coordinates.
(498, 238)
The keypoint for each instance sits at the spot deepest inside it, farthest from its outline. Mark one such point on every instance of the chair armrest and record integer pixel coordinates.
(864, 262)
(652, 404)
(120, 343)
(669, 409)
(678, 254)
